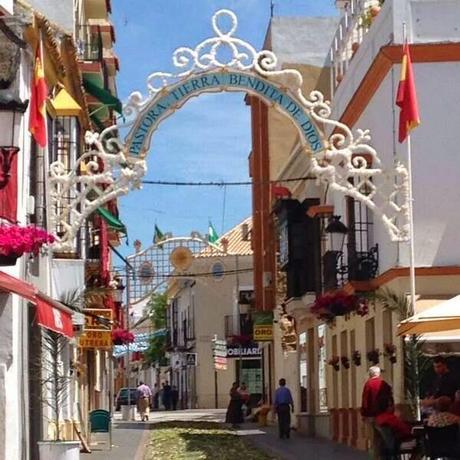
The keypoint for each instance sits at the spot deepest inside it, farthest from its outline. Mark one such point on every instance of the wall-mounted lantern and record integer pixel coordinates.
(11, 113)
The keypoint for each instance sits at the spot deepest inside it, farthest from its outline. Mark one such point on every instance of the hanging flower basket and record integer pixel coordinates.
(328, 306)
(334, 362)
(390, 350)
(345, 362)
(122, 337)
(356, 358)
(8, 261)
(16, 240)
(373, 356)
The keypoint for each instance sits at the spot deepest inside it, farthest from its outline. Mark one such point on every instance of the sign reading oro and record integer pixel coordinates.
(97, 333)
(171, 98)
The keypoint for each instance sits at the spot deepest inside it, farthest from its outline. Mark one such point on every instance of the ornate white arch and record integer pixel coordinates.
(113, 167)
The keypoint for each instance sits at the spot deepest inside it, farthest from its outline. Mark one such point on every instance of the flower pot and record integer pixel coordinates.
(59, 450)
(8, 260)
(339, 78)
(354, 47)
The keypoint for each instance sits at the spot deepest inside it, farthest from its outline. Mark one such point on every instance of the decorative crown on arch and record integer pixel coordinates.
(107, 171)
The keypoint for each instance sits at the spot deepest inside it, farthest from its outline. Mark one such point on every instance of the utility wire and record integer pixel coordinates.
(223, 184)
(187, 275)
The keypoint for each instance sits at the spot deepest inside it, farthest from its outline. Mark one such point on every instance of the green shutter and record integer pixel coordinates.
(103, 95)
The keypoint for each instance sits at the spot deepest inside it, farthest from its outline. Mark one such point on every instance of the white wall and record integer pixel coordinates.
(435, 166)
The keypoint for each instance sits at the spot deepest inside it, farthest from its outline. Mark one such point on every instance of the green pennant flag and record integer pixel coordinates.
(212, 234)
(158, 235)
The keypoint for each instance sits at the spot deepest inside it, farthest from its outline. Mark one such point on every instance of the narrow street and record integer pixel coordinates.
(137, 440)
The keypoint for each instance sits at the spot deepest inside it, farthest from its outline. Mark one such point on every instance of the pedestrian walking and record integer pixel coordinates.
(377, 397)
(144, 396)
(174, 397)
(234, 412)
(284, 404)
(166, 396)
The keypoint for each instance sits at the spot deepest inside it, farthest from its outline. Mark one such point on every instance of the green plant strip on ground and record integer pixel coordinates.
(199, 441)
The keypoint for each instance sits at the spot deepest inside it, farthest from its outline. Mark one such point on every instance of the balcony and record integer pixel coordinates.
(357, 18)
(231, 326)
(360, 266)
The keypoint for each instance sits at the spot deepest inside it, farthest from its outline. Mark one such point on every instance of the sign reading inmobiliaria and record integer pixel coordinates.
(251, 351)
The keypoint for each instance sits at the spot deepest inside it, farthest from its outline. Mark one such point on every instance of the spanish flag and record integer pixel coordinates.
(406, 98)
(39, 93)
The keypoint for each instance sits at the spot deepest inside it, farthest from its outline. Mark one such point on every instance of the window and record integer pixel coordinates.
(322, 383)
(65, 148)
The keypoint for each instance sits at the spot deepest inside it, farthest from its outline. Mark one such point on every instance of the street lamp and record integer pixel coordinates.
(10, 120)
(332, 265)
(118, 290)
(338, 231)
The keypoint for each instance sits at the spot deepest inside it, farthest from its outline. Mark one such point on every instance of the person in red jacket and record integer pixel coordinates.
(377, 397)
(401, 430)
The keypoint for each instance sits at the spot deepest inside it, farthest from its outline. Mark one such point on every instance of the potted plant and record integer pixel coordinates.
(389, 350)
(334, 362)
(345, 362)
(55, 383)
(328, 306)
(356, 358)
(373, 356)
(16, 240)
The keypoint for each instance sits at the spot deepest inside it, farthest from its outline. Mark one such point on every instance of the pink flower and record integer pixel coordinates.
(16, 240)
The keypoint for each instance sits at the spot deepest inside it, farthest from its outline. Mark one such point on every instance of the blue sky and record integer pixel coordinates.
(209, 138)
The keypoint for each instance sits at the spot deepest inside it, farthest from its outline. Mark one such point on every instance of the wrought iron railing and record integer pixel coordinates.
(90, 47)
(360, 266)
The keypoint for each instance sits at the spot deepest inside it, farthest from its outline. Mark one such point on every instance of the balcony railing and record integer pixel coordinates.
(90, 47)
(356, 20)
(245, 327)
(361, 266)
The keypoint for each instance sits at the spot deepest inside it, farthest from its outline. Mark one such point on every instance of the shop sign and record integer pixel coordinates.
(92, 321)
(263, 326)
(96, 339)
(263, 333)
(235, 351)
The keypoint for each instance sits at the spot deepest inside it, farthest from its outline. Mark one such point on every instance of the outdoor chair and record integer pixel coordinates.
(390, 448)
(442, 442)
(100, 422)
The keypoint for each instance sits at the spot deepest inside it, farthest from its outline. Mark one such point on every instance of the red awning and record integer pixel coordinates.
(51, 314)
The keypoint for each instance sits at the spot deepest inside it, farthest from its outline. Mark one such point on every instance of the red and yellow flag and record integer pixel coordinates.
(39, 93)
(406, 98)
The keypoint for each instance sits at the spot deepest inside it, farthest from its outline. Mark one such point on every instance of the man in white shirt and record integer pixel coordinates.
(144, 395)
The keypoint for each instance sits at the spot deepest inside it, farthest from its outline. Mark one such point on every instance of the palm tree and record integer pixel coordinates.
(416, 364)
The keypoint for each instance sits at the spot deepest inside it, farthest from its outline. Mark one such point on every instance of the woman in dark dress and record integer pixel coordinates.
(234, 411)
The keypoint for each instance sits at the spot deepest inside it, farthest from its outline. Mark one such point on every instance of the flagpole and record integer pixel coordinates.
(411, 212)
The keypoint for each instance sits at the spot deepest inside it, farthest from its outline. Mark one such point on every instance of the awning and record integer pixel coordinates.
(112, 221)
(103, 95)
(51, 314)
(65, 105)
(444, 316)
